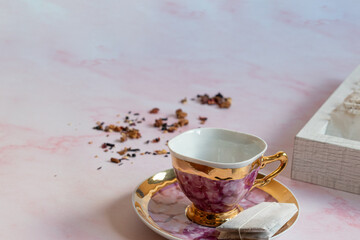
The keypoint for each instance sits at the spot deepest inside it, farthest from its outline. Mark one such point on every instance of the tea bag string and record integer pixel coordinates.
(239, 228)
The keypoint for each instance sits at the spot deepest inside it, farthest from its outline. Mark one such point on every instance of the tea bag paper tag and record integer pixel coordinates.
(259, 222)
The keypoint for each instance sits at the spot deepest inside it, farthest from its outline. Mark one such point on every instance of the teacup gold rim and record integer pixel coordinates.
(241, 164)
(213, 173)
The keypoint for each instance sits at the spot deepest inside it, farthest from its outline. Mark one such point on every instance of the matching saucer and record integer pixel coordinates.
(161, 204)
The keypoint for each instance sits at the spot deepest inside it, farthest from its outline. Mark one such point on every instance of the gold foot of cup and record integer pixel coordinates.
(210, 219)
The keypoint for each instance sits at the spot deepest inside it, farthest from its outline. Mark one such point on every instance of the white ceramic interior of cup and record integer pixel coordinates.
(215, 147)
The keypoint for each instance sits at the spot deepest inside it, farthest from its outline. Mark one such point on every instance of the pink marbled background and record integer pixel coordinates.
(66, 64)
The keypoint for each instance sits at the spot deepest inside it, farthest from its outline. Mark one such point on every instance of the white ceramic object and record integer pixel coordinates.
(321, 157)
(218, 148)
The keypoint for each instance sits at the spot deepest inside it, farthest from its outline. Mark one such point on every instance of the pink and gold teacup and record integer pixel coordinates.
(216, 168)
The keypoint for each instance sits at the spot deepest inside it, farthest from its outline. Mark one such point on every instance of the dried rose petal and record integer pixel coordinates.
(211, 101)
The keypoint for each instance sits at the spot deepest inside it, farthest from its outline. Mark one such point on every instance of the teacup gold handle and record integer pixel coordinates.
(280, 156)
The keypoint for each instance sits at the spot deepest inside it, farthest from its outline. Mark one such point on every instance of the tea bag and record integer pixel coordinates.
(260, 222)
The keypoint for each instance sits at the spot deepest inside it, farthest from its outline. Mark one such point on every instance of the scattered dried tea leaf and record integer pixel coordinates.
(127, 132)
(218, 99)
(182, 122)
(115, 160)
(133, 149)
(211, 101)
(123, 137)
(155, 140)
(172, 129)
(180, 114)
(154, 110)
(203, 98)
(226, 103)
(122, 152)
(110, 145)
(158, 122)
(183, 101)
(164, 127)
(133, 133)
(99, 126)
(202, 120)
(159, 152)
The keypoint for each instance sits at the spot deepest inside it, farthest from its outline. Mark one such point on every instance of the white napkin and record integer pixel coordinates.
(259, 222)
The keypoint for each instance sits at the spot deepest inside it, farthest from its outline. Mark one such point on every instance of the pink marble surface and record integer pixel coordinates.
(67, 64)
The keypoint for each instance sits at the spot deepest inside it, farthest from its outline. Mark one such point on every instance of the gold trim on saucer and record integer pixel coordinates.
(210, 219)
(142, 196)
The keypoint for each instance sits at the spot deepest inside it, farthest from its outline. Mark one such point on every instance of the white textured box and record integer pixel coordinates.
(327, 150)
